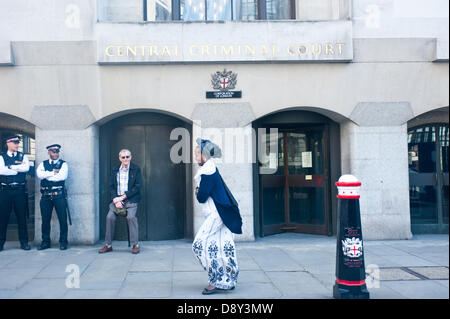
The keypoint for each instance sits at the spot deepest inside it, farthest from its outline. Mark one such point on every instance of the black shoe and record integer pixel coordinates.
(63, 246)
(25, 246)
(1, 247)
(44, 246)
(209, 291)
(232, 288)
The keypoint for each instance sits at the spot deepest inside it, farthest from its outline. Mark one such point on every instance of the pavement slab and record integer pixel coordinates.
(286, 265)
(431, 272)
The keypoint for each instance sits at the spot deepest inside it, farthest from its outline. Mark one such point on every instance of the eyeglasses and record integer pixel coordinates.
(124, 157)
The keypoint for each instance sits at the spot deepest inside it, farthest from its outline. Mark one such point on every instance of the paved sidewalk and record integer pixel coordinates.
(279, 266)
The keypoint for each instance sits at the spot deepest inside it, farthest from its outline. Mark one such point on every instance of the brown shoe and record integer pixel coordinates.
(135, 249)
(105, 249)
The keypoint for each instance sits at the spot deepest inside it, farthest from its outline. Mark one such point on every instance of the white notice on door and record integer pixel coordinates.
(306, 159)
(273, 160)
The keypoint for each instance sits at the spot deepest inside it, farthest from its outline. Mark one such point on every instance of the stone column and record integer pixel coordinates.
(374, 148)
(70, 126)
(229, 126)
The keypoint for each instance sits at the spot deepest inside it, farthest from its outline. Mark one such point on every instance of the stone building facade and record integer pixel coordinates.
(344, 83)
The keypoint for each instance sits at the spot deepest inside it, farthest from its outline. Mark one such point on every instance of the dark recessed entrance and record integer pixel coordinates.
(164, 212)
(295, 184)
(428, 178)
(11, 125)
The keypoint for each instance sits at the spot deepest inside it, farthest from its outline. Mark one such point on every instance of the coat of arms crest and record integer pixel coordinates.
(224, 81)
(352, 247)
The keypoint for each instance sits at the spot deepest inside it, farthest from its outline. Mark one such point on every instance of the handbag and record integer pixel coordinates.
(120, 211)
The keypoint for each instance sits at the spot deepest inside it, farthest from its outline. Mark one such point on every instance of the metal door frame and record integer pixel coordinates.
(293, 118)
(301, 228)
(308, 228)
(440, 179)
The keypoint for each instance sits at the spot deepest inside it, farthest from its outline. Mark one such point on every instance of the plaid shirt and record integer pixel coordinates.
(122, 180)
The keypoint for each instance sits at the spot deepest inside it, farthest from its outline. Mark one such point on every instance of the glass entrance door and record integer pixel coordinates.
(428, 178)
(294, 182)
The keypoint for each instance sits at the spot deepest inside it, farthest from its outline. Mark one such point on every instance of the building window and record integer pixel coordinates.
(319, 9)
(245, 10)
(120, 10)
(26, 144)
(192, 10)
(218, 10)
(158, 10)
(278, 9)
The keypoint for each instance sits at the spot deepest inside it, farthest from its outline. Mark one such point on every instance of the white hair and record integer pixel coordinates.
(124, 150)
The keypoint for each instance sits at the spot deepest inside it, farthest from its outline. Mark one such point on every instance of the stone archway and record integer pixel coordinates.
(428, 161)
(165, 210)
(299, 196)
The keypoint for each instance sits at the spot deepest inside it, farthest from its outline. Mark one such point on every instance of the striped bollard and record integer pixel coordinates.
(350, 270)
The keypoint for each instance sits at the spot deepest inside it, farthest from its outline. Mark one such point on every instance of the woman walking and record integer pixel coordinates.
(214, 243)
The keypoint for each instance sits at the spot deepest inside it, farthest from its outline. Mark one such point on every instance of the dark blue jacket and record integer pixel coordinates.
(134, 183)
(212, 185)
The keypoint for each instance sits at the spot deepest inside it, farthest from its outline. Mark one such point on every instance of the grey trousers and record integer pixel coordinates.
(132, 223)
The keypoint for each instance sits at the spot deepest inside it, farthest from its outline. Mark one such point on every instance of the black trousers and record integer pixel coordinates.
(13, 198)
(59, 203)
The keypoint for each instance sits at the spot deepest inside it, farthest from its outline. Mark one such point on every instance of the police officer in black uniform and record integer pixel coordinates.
(53, 173)
(14, 166)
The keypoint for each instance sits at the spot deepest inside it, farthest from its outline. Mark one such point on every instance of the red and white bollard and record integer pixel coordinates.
(350, 269)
